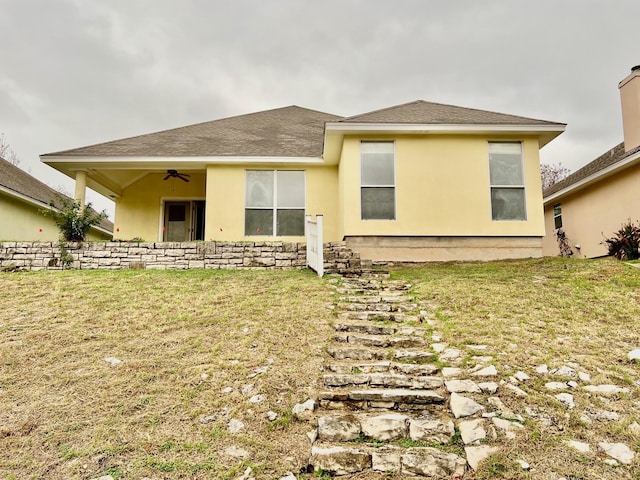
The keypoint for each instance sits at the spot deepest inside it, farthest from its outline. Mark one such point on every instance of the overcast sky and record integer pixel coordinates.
(78, 72)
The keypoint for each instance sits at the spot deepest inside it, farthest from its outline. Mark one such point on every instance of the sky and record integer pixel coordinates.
(79, 72)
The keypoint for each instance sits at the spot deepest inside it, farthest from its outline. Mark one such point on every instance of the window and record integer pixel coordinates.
(507, 181)
(274, 203)
(557, 216)
(377, 181)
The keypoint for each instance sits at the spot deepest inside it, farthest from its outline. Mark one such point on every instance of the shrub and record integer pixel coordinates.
(625, 242)
(563, 243)
(73, 220)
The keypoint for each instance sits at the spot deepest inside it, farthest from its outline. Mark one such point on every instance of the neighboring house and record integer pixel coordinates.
(593, 202)
(22, 198)
(413, 182)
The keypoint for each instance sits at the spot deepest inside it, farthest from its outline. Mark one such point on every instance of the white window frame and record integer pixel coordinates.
(274, 205)
(557, 214)
(393, 185)
(513, 187)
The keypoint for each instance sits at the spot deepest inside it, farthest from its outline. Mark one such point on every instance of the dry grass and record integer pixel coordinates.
(182, 337)
(185, 336)
(550, 311)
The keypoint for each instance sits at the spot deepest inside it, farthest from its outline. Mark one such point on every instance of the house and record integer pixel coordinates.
(592, 203)
(22, 198)
(413, 182)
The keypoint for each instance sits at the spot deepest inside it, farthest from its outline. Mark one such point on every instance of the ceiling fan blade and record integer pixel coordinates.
(182, 178)
(167, 177)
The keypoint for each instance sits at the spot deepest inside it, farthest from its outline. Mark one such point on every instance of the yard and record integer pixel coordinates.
(139, 373)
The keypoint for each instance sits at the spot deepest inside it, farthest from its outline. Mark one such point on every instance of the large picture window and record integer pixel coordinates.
(506, 172)
(377, 181)
(274, 203)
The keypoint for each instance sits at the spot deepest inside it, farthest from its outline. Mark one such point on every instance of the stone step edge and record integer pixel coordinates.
(356, 353)
(369, 328)
(381, 341)
(382, 367)
(427, 462)
(388, 395)
(381, 380)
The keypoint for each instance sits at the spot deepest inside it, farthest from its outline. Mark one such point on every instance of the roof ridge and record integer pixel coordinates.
(383, 109)
(448, 105)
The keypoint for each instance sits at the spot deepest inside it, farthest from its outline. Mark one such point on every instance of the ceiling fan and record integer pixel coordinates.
(175, 174)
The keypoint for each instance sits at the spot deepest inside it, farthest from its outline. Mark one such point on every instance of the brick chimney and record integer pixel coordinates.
(630, 98)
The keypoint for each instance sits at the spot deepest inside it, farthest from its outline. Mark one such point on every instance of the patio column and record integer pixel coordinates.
(81, 187)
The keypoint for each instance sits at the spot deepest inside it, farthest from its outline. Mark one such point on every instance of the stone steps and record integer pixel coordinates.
(365, 353)
(396, 297)
(386, 380)
(396, 396)
(346, 427)
(381, 341)
(411, 462)
(382, 387)
(380, 316)
(382, 367)
(359, 326)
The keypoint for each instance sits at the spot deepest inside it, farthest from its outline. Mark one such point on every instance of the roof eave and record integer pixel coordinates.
(546, 133)
(24, 198)
(42, 205)
(623, 164)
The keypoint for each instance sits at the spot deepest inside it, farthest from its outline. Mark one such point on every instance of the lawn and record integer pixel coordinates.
(584, 313)
(184, 338)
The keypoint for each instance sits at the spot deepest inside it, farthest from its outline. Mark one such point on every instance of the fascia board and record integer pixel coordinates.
(135, 162)
(440, 128)
(601, 174)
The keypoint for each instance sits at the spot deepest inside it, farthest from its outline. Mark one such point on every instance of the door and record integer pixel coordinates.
(177, 221)
(183, 221)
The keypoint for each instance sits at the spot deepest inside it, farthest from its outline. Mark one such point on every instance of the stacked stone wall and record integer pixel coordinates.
(171, 256)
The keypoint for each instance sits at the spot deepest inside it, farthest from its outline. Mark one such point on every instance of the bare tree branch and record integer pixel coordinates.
(7, 152)
(552, 174)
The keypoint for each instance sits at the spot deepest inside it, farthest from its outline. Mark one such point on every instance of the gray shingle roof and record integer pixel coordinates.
(17, 180)
(283, 132)
(429, 113)
(610, 157)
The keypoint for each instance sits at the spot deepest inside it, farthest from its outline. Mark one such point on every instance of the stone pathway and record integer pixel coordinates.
(388, 407)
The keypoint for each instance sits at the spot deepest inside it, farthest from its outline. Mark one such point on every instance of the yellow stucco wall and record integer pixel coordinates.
(596, 212)
(442, 189)
(20, 221)
(226, 201)
(139, 208)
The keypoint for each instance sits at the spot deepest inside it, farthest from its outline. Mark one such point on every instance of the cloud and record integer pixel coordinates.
(85, 71)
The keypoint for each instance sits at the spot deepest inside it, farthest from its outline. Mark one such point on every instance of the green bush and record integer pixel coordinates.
(625, 242)
(73, 220)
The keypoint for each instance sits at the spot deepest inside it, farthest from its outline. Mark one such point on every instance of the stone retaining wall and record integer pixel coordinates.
(171, 255)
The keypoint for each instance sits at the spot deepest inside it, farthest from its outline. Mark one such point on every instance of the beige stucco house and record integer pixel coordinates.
(22, 198)
(413, 182)
(593, 202)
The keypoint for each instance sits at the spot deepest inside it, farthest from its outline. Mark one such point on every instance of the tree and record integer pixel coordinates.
(73, 220)
(552, 174)
(7, 152)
